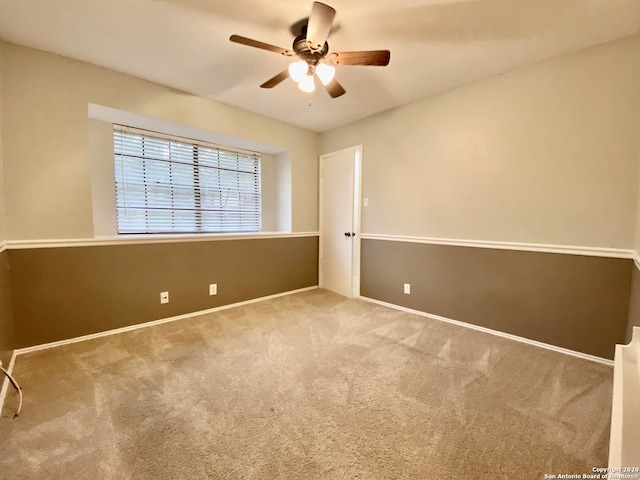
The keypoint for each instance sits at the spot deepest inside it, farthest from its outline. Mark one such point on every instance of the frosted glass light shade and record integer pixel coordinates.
(325, 73)
(307, 84)
(298, 70)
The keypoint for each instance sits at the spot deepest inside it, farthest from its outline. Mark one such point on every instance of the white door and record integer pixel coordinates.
(340, 221)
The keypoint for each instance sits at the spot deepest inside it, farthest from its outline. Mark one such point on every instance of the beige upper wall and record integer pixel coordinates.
(547, 154)
(46, 140)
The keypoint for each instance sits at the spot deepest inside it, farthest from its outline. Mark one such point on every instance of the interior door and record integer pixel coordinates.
(339, 221)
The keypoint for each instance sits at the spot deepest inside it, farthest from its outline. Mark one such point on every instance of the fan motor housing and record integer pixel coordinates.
(303, 49)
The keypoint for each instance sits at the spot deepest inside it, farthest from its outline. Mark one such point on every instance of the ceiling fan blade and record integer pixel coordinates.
(264, 46)
(335, 89)
(272, 82)
(371, 57)
(319, 25)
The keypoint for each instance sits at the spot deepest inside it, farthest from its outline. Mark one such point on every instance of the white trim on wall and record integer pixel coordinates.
(142, 239)
(527, 247)
(636, 259)
(566, 351)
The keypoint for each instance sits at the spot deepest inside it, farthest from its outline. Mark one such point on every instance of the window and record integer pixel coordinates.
(175, 185)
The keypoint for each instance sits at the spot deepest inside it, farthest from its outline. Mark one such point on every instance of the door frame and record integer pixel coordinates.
(357, 217)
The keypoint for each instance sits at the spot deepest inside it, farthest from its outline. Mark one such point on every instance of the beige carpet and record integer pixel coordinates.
(307, 386)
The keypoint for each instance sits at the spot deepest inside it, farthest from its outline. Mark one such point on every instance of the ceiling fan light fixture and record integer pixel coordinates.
(307, 84)
(311, 48)
(325, 73)
(298, 70)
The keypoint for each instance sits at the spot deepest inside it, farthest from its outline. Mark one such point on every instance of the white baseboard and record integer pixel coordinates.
(566, 351)
(5, 384)
(5, 380)
(130, 328)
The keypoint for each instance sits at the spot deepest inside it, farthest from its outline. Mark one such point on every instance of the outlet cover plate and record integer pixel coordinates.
(213, 289)
(164, 297)
(407, 289)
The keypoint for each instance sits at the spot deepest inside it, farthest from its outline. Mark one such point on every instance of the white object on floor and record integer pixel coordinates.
(16, 386)
(624, 445)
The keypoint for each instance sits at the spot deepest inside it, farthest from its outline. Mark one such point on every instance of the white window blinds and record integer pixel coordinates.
(167, 185)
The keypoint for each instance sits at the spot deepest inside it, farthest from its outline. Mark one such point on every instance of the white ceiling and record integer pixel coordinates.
(435, 45)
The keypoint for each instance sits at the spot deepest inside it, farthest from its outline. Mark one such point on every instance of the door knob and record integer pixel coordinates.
(349, 234)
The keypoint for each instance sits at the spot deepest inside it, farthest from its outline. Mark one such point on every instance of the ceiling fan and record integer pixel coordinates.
(311, 48)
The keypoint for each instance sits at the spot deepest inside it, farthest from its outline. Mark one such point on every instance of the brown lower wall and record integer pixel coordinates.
(61, 293)
(572, 301)
(7, 340)
(634, 304)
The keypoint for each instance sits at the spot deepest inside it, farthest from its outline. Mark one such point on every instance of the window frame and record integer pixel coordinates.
(198, 174)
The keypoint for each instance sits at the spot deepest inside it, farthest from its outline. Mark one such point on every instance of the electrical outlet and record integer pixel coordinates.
(213, 289)
(407, 289)
(366, 202)
(164, 297)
